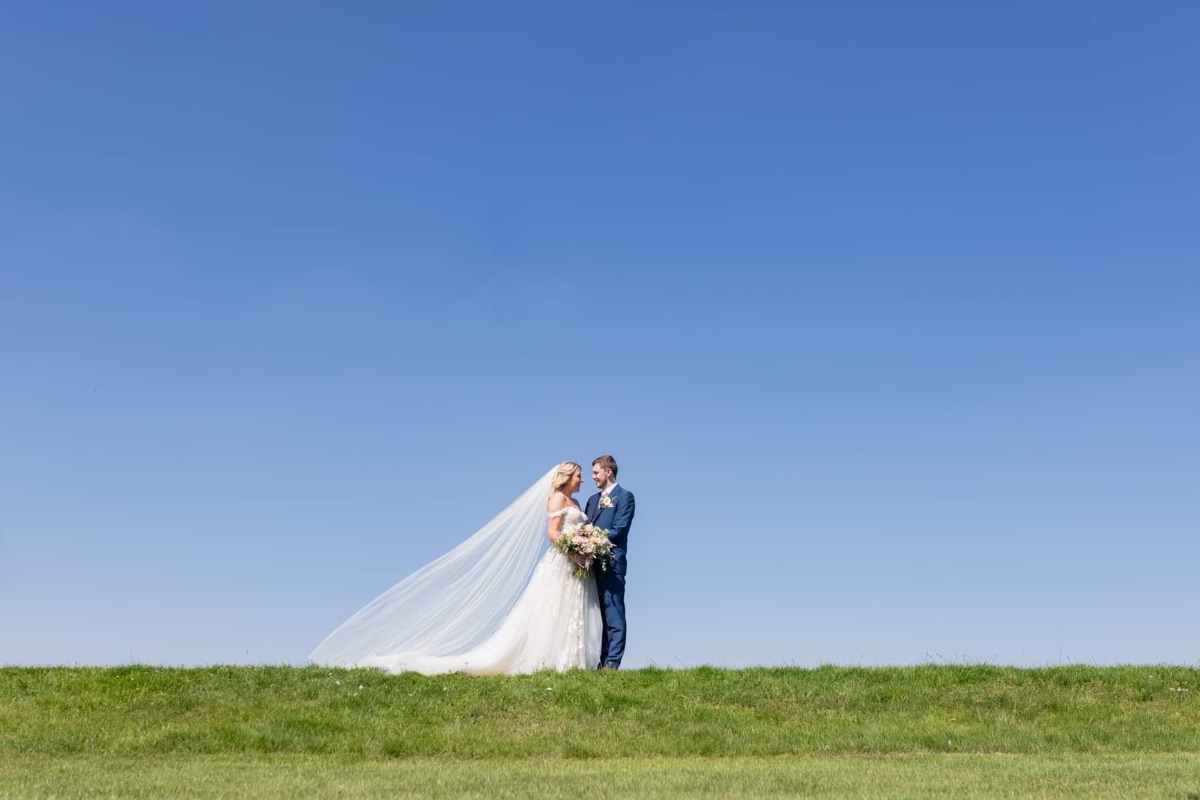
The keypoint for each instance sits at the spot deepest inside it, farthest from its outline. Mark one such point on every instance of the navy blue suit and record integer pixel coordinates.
(616, 519)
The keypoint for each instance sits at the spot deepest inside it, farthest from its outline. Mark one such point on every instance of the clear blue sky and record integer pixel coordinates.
(889, 313)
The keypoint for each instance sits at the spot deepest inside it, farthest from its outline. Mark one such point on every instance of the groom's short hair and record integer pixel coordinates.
(607, 462)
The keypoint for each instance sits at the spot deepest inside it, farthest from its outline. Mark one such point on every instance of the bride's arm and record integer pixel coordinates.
(557, 508)
(554, 525)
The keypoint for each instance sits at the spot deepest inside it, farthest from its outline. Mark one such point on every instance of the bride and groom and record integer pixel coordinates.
(501, 602)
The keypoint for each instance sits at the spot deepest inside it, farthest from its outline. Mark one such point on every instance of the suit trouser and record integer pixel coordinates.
(611, 586)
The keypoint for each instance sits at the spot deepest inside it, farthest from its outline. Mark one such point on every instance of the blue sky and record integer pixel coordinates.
(888, 313)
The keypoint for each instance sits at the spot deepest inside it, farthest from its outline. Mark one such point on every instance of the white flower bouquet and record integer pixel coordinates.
(591, 544)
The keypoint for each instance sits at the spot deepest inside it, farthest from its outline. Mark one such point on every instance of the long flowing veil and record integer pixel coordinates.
(455, 602)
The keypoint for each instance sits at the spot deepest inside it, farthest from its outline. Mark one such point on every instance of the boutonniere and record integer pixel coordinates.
(605, 501)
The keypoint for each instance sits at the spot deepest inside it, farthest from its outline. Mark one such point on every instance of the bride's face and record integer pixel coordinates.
(575, 482)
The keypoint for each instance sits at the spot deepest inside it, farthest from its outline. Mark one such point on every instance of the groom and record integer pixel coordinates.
(612, 509)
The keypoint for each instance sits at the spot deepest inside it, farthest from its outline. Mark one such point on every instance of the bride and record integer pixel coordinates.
(499, 603)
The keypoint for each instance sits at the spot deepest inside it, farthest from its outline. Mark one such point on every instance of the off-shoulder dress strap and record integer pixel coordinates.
(561, 512)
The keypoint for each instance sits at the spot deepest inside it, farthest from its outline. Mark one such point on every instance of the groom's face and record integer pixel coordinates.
(601, 475)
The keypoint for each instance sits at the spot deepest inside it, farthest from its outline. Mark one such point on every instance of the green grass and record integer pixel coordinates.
(962, 777)
(962, 731)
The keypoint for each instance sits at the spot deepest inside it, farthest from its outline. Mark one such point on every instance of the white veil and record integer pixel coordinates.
(455, 602)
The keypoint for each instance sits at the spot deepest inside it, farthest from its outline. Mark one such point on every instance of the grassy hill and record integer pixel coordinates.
(82, 732)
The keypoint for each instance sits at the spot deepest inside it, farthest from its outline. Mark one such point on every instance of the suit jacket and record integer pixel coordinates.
(616, 519)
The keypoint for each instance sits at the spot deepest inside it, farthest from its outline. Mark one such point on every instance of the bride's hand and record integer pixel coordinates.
(579, 560)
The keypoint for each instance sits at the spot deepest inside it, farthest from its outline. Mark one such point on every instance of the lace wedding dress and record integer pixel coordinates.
(554, 624)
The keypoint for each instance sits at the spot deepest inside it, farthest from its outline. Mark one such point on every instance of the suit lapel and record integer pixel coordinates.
(612, 496)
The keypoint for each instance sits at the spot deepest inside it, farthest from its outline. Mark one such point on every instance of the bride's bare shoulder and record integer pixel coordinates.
(557, 502)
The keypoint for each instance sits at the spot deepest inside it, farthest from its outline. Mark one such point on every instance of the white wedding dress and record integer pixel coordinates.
(554, 624)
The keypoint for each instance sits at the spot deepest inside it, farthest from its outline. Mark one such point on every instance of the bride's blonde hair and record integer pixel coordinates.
(562, 475)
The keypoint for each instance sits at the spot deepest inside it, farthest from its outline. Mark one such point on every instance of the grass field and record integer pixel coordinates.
(927, 731)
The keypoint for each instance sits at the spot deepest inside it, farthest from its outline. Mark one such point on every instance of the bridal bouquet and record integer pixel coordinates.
(590, 542)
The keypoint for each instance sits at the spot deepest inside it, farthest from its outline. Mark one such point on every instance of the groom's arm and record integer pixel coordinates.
(624, 516)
